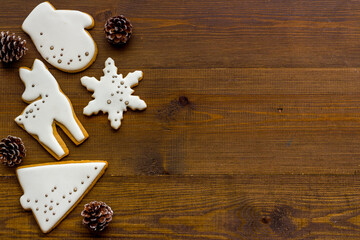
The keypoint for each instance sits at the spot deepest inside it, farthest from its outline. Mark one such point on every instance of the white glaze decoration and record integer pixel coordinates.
(61, 38)
(39, 117)
(51, 191)
(113, 93)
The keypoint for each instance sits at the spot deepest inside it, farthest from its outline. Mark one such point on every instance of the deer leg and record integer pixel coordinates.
(46, 137)
(72, 127)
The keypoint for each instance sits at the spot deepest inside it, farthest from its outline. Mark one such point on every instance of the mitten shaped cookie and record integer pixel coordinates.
(52, 190)
(49, 106)
(61, 38)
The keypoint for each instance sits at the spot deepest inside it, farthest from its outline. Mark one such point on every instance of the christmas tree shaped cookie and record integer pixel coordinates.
(52, 190)
(61, 38)
(113, 93)
(50, 106)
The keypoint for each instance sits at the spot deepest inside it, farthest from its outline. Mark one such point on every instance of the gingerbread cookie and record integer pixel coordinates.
(53, 107)
(113, 93)
(61, 38)
(52, 190)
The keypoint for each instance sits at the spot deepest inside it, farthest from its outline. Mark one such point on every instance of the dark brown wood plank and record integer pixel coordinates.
(232, 33)
(251, 131)
(236, 121)
(207, 207)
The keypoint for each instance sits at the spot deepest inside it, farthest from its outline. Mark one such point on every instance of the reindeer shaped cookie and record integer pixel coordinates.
(50, 108)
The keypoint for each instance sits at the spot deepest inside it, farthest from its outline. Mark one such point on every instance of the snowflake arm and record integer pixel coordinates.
(110, 68)
(132, 79)
(91, 108)
(135, 103)
(90, 83)
(115, 119)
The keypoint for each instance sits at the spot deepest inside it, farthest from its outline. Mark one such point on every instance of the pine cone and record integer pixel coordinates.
(97, 215)
(12, 48)
(118, 30)
(12, 151)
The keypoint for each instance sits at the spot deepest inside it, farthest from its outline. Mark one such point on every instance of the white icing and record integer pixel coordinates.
(61, 33)
(46, 186)
(38, 117)
(113, 93)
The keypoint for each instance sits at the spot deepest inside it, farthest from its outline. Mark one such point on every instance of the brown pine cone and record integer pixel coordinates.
(97, 215)
(12, 48)
(118, 30)
(12, 151)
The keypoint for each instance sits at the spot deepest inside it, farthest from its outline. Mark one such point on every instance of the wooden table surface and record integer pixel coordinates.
(252, 129)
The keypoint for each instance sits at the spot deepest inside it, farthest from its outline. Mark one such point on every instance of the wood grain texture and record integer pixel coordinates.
(208, 207)
(252, 129)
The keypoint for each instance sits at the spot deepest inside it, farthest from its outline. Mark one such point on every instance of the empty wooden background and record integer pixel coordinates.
(252, 129)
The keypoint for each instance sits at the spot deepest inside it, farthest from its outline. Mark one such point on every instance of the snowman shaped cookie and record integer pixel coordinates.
(61, 38)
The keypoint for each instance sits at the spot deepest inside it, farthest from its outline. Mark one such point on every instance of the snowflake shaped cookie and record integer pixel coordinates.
(113, 93)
